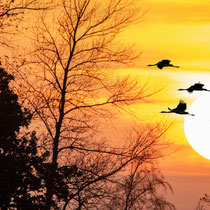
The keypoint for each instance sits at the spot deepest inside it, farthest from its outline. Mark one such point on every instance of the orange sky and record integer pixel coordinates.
(178, 30)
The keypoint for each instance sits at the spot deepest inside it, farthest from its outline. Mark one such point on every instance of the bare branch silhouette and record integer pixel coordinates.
(67, 82)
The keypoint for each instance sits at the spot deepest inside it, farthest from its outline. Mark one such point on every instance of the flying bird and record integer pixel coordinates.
(180, 109)
(163, 63)
(197, 86)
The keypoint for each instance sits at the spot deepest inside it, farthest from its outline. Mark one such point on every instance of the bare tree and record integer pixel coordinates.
(136, 182)
(67, 82)
(12, 13)
(141, 189)
(203, 203)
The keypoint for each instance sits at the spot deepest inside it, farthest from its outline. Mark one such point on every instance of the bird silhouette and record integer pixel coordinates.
(180, 109)
(197, 86)
(163, 63)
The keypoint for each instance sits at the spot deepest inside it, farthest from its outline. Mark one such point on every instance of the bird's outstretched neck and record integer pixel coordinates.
(151, 65)
(182, 89)
(165, 112)
(176, 66)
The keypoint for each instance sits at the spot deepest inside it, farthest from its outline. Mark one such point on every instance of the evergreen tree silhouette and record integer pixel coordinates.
(20, 180)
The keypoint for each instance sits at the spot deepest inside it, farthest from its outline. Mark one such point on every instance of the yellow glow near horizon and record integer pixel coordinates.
(178, 30)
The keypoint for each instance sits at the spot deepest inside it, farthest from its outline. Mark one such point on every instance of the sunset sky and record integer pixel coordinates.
(178, 30)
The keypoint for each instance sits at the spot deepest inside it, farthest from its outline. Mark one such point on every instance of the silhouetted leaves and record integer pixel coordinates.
(19, 160)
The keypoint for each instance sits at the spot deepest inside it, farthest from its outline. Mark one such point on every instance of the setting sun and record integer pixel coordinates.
(197, 128)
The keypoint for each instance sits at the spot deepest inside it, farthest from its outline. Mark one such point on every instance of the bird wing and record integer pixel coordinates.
(165, 61)
(198, 85)
(181, 106)
(191, 89)
(160, 65)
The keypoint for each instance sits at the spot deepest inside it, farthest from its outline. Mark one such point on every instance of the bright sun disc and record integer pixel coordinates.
(197, 128)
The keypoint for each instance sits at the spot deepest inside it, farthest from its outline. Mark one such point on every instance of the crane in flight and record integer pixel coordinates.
(180, 109)
(163, 63)
(197, 86)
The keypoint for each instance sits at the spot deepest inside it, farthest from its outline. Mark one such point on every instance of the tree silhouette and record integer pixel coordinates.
(12, 14)
(203, 203)
(19, 161)
(141, 189)
(66, 81)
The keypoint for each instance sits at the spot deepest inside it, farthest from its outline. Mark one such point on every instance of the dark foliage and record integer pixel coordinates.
(19, 179)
